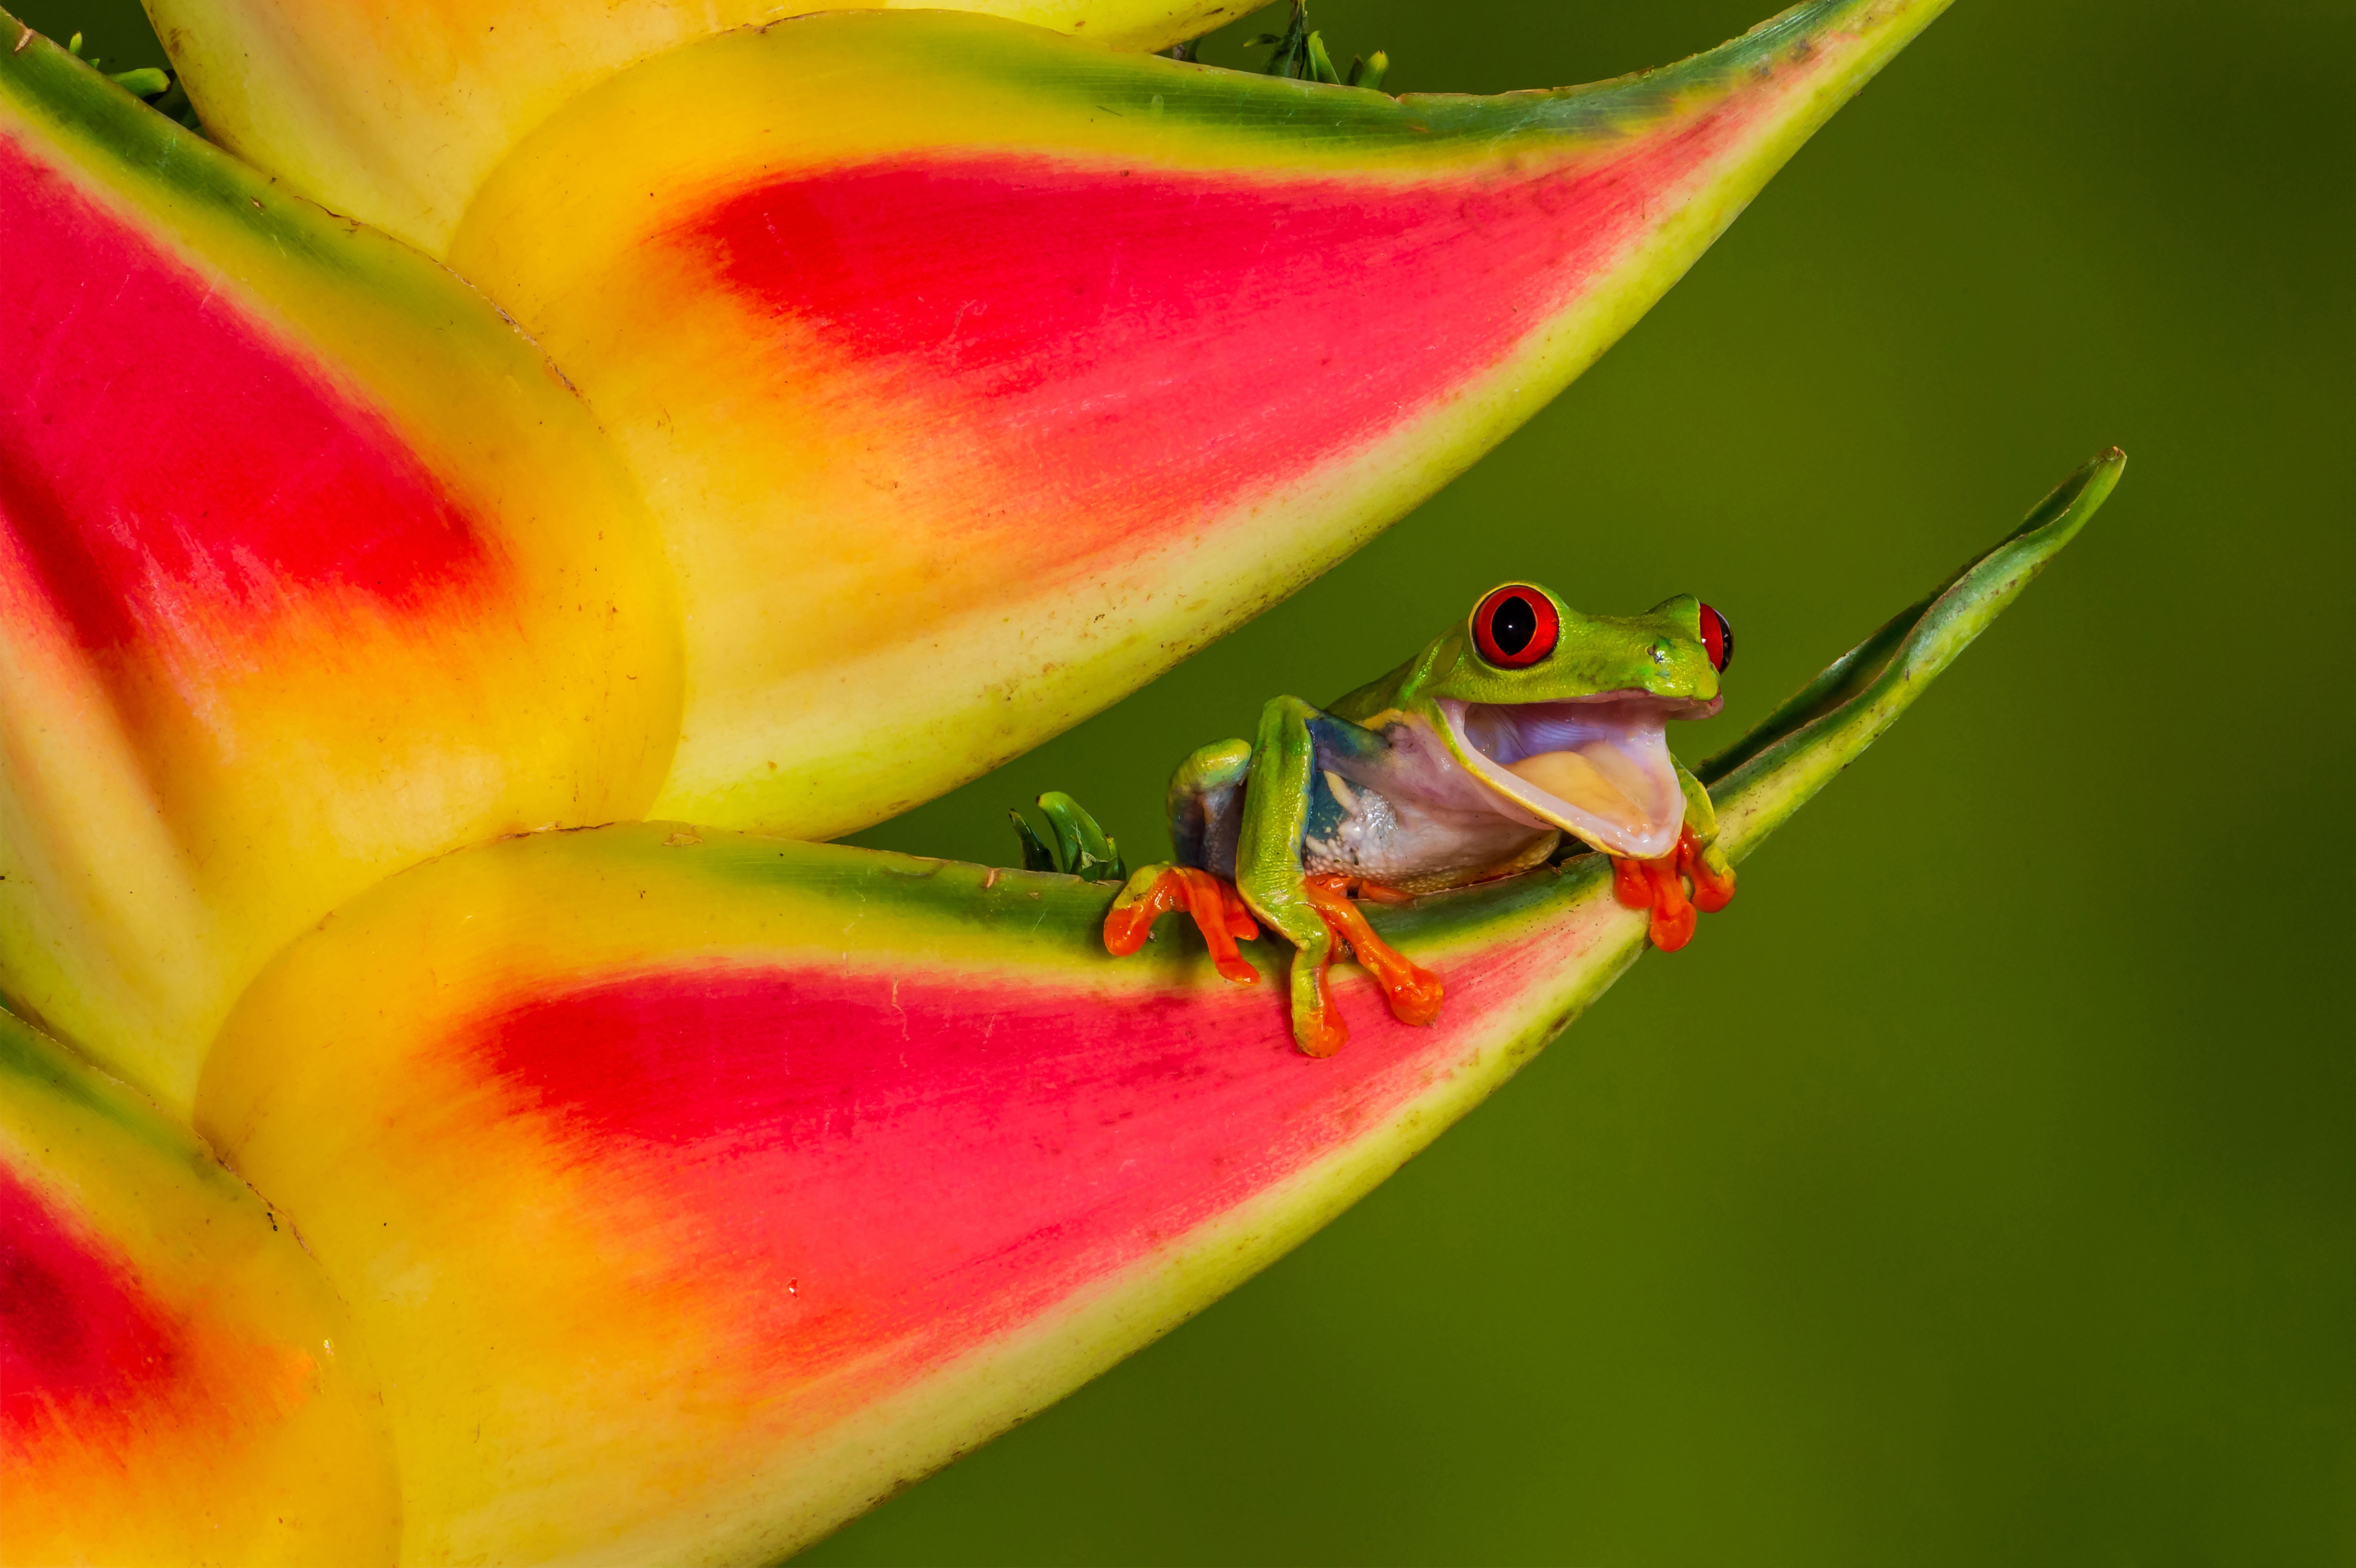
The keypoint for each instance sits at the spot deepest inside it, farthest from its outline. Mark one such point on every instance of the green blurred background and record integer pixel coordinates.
(1982, 1187)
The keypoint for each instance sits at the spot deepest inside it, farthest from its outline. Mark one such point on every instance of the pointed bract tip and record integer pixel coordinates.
(2076, 498)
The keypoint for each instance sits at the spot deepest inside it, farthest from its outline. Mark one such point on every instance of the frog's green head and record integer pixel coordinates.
(1561, 712)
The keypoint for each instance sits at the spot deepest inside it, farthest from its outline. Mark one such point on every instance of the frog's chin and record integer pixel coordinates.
(1598, 767)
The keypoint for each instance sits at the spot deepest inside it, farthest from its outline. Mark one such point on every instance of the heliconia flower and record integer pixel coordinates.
(177, 1380)
(975, 375)
(310, 566)
(978, 375)
(693, 1190)
(394, 113)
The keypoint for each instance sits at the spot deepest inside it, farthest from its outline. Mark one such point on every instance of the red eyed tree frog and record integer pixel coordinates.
(1526, 723)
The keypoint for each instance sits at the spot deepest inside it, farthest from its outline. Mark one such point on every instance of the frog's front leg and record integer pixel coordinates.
(1660, 884)
(1314, 913)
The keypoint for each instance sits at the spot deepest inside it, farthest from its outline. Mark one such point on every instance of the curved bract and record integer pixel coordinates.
(394, 113)
(978, 375)
(310, 567)
(178, 1381)
(696, 1189)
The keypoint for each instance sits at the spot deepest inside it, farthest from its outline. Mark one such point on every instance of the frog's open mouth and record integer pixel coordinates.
(1595, 767)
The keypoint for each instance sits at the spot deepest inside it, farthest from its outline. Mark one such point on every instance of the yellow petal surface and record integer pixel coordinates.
(394, 113)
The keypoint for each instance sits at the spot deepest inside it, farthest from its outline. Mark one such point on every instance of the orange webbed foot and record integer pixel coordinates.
(1414, 992)
(1218, 910)
(1661, 885)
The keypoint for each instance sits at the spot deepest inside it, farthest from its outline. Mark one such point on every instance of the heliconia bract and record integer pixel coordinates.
(978, 375)
(310, 566)
(394, 113)
(693, 1189)
(177, 1380)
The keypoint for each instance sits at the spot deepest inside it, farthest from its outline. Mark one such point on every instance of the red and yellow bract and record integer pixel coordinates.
(178, 1381)
(757, 1176)
(310, 566)
(969, 405)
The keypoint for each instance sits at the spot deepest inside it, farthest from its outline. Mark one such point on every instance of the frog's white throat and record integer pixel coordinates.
(1595, 767)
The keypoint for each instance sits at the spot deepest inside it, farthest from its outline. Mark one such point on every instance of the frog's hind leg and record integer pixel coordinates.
(1414, 992)
(1205, 799)
(1219, 911)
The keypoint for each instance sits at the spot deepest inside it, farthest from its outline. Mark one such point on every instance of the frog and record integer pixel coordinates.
(1525, 733)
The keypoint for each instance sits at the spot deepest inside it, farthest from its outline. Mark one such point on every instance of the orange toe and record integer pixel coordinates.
(1413, 992)
(1629, 881)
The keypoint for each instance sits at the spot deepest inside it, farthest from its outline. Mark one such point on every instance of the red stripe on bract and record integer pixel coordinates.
(77, 1334)
(1133, 349)
(172, 473)
(930, 1160)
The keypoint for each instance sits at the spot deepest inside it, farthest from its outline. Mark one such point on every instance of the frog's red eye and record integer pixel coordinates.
(1717, 638)
(1515, 626)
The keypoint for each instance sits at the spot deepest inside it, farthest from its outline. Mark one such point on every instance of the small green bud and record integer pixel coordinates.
(145, 82)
